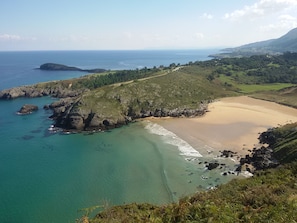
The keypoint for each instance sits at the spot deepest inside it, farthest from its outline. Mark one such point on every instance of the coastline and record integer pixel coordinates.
(232, 123)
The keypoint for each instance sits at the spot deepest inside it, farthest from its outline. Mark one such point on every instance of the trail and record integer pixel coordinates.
(147, 78)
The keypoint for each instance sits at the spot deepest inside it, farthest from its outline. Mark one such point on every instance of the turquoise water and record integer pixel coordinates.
(48, 177)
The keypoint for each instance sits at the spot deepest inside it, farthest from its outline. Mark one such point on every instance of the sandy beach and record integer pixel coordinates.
(232, 123)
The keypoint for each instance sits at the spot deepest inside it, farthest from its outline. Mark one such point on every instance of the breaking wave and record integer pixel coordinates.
(170, 138)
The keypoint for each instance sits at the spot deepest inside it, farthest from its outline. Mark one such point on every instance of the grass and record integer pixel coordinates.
(253, 88)
(270, 196)
(285, 96)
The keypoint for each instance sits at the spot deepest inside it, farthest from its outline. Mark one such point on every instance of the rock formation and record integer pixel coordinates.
(260, 159)
(27, 109)
(33, 92)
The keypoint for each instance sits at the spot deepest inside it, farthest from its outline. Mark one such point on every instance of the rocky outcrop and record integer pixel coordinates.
(76, 114)
(228, 153)
(27, 109)
(33, 92)
(69, 114)
(260, 159)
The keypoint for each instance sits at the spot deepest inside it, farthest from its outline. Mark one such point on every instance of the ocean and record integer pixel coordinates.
(48, 177)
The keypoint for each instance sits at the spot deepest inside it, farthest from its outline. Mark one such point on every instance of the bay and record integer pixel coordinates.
(49, 177)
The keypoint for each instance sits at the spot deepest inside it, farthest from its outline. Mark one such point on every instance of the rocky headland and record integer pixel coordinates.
(36, 91)
(82, 109)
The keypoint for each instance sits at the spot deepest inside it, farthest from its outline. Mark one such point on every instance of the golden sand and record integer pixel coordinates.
(232, 123)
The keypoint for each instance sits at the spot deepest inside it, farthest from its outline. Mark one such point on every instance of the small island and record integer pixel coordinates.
(61, 67)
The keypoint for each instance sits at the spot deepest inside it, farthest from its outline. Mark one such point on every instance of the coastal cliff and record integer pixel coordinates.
(37, 91)
(78, 114)
(113, 106)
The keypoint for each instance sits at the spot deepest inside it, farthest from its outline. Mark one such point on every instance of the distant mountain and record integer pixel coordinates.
(286, 43)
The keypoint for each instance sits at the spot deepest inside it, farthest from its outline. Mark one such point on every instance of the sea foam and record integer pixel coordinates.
(170, 138)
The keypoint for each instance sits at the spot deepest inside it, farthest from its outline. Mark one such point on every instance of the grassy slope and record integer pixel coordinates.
(182, 88)
(286, 96)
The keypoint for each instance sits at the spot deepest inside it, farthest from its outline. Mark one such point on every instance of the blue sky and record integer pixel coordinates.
(141, 24)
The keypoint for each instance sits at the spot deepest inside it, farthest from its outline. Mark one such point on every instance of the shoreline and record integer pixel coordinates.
(232, 123)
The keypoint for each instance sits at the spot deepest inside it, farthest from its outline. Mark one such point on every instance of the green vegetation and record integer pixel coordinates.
(285, 96)
(253, 88)
(96, 81)
(258, 69)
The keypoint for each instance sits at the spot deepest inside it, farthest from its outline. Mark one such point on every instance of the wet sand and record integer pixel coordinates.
(232, 123)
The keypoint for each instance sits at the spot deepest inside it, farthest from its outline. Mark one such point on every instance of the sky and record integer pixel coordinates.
(141, 24)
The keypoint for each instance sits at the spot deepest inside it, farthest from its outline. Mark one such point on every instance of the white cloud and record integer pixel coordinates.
(262, 8)
(128, 35)
(9, 37)
(207, 16)
(199, 35)
(284, 22)
(70, 38)
(13, 37)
